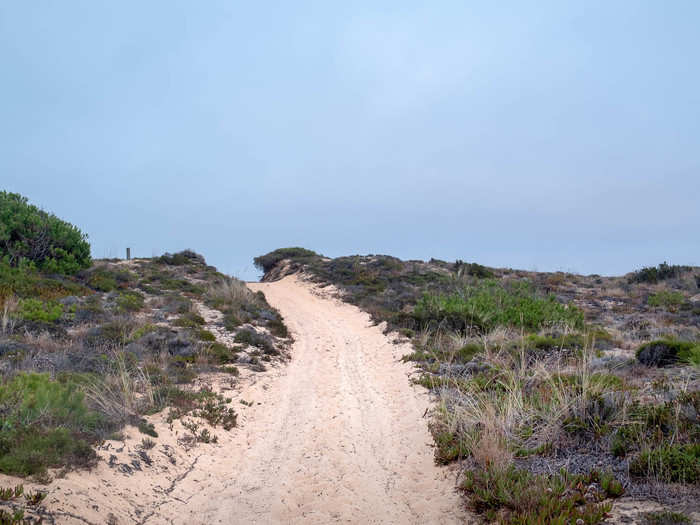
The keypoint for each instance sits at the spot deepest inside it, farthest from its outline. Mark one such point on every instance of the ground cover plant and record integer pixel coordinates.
(542, 378)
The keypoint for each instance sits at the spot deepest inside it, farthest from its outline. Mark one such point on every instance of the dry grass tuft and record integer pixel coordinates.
(9, 307)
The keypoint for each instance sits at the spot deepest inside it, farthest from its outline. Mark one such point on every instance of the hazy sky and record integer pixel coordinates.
(537, 135)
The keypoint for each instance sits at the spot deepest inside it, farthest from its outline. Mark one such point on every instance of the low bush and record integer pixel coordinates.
(205, 335)
(190, 320)
(27, 282)
(668, 299)
(45, 424)
(231, 322)
(181, 258)
(130, 301)
(38, 310)
(221, 354)
(278, 328)
(252, 338)
(671, 463)
(267, 262)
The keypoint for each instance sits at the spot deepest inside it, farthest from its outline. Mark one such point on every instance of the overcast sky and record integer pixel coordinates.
(536, 135)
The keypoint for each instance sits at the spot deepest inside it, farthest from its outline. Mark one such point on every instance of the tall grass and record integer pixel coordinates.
(520, 404)
(123, 392)
(9, 307)
(229, 293)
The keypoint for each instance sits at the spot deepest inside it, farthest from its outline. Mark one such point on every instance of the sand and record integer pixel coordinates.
(339, 435)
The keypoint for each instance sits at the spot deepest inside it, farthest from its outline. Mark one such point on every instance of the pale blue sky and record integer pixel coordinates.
(538, 135)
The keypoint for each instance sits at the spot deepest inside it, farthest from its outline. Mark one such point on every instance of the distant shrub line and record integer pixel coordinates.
(654, 274)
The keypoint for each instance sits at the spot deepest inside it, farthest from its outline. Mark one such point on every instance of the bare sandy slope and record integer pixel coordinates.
(342, 436)
(335, 436)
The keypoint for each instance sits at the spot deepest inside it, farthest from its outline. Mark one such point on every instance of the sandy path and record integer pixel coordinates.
(335, 436)
(341, 437)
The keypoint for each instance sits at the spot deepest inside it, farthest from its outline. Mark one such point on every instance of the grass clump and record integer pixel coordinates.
(671, 463)
(45, 424)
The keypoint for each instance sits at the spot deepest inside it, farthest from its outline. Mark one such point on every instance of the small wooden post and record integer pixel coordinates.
(128, 254)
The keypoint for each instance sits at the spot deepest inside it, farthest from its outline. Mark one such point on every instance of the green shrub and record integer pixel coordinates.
(45, 424)
(34, 237)
(102, 282)
(190, 320)
(221, 353)
(37, 310)
(130, 301)
(490, 304)
(267, 262)
(205, 335)
(147, 428)
(231, 322)
(679, 463)
(668, 299)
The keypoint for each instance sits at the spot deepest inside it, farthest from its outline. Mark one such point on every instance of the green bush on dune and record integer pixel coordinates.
(45, 424)
(267, 262)
(32, 237)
